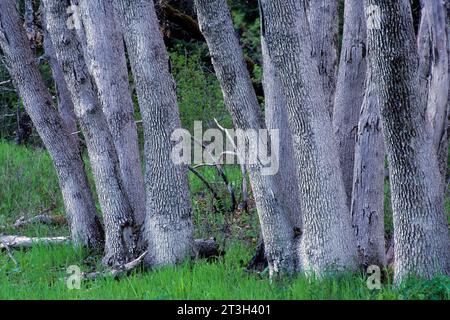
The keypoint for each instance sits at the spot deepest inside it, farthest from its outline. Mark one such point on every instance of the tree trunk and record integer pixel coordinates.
(323, 17)
(240, 98)
(118, 216)
(65, 104)
(350, 89)
(168, 224)
(434, 72)
(422, 244)
(105, 57)
(85, 226)
(367, 206)
(276, 118)
(328, 240)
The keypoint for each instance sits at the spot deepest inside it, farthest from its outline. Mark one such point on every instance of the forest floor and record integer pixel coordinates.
(29, 186)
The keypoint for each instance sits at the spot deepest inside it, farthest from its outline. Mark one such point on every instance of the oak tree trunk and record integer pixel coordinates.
(323, 17)
(434, 74)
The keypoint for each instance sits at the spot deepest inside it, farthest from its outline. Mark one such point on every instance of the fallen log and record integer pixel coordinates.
(17, 242)
(203, 248)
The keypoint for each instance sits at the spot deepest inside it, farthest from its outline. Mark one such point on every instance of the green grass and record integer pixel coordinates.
(29, 185)
(42, 275)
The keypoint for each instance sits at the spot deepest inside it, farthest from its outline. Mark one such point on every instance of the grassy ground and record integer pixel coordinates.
(29, 185)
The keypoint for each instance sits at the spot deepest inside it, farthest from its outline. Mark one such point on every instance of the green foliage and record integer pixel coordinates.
(198, 91)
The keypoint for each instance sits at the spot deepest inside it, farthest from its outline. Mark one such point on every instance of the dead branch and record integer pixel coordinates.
(116, 272)
(42, 217)
(10, 255)
(208, 185)
(221, 173)
(244, 204)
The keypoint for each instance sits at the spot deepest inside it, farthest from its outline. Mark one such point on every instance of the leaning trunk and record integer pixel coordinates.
(350, 89)
(168, 224)
(118, 216)
(84, 223)
(367, 206)
(105, 56)
(65, 104)
(240, 98)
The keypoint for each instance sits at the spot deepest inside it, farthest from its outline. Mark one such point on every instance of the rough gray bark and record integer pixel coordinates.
(120, 226)
(168, 224)
(276, 118)
(350, 88)
(367, 204)
(323, 17)
(217, 27)
(65, 104)
(328, 239)
(434, 72)
(30, 25)
(80, 208)
(422, 244)
(105, 57)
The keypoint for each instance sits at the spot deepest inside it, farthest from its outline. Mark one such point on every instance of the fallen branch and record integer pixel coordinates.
(17, 242)
(221, 173)
(10, 255)
(42, 217)
(116, 272)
